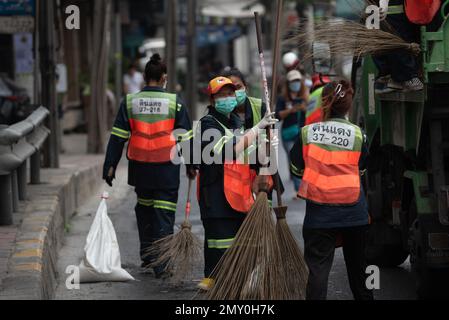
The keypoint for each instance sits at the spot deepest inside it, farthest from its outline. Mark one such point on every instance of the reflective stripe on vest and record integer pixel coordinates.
(314, 111)
(152, 120)
(331, 152)
(237, 182)
(256, 106)
(399, 9)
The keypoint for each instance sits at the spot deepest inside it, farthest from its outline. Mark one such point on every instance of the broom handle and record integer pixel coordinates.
(262, 61)
(276, 178)
(188, 205)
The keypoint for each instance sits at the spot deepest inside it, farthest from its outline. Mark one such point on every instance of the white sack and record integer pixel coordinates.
(101, 261)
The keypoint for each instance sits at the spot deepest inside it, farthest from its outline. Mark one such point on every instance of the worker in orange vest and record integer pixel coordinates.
(147, 121)
(314, 112)
(225, 186)
(329, 156)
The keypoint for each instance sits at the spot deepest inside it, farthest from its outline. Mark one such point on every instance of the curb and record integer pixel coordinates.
(32, 267)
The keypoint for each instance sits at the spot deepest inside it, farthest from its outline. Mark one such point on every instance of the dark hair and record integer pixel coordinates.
(337, 99)
(155, 68)
(234, 72)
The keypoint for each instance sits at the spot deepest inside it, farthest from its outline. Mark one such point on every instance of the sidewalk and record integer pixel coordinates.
(29, 248)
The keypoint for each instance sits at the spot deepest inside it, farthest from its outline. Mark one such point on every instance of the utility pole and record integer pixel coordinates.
(118, 50)
(48, 79)
(99, 72)
(192, 57)
(171, 38)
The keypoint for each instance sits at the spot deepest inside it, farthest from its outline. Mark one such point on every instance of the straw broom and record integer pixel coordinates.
(178, 252)
(250, 268)
(351, 38)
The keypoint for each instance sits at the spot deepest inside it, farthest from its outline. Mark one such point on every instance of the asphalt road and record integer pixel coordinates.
(395, 284)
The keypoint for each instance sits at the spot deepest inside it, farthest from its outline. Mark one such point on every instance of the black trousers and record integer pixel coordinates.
(219, 236)
(319, 255)
(155, 212)
(400, 64)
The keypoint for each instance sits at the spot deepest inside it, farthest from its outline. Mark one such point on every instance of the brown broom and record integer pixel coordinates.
(346, 37)
(250, 268)
(293, 262)
(178, 252)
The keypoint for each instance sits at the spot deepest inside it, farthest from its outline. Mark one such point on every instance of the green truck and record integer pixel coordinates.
(407, 181)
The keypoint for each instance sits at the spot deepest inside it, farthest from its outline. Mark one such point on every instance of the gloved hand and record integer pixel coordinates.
(383, 9)
(110, 177)
(382, 14)
(267, 121)
(275, 142)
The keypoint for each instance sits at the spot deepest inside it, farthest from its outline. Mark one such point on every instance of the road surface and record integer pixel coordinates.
(397, 283)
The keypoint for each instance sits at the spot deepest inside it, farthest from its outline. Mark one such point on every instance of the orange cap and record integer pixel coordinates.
(217, 84)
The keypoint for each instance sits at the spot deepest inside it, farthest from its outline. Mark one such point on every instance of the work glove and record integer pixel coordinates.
(266, 122)
(383, 9)
(274, 142)
(110, 177)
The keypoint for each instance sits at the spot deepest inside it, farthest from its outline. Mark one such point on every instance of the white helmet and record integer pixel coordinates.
(290, 60)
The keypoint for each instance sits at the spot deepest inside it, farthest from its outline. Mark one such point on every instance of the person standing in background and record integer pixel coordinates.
(290, 109)
(133, 81)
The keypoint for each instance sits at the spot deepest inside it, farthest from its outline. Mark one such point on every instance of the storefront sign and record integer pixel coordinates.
(17, 7)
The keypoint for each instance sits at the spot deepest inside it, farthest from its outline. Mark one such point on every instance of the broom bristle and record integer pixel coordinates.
(250, 270)
(346, 37)
(178, 252)
(293, 261)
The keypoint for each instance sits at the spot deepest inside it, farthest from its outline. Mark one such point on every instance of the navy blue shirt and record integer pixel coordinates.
(151, 176)
(212, 201)
(296, 119)
(329, 217)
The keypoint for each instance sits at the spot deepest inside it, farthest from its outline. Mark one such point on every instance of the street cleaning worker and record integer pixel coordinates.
(224, 188)
(290, 109)
(250, 110)
(147, 120)
(330, 155)
(314, 111)
(398, 69)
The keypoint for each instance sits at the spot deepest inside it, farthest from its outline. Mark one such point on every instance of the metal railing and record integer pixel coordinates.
(18, 143)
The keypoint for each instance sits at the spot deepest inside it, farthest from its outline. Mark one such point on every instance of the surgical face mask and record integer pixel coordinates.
(226, 105)
(241, 96)
(295, 86)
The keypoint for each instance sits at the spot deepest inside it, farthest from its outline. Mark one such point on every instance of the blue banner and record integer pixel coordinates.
(17, 7)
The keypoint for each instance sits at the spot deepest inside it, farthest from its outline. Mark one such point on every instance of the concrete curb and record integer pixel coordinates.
(32, 268)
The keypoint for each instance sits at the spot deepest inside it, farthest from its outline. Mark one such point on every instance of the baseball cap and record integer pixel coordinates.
(218, 83)
(294, 75)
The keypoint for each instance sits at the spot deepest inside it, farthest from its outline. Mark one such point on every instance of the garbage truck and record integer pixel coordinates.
(407, 180)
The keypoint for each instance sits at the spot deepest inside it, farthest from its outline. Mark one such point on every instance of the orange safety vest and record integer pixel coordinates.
(152, 120)
(237, 182)
(314, 112)
(331, 152)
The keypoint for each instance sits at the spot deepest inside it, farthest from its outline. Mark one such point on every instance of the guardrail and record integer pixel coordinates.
(18, 143)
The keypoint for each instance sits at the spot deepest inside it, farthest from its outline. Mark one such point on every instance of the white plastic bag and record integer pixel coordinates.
(101, 261)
